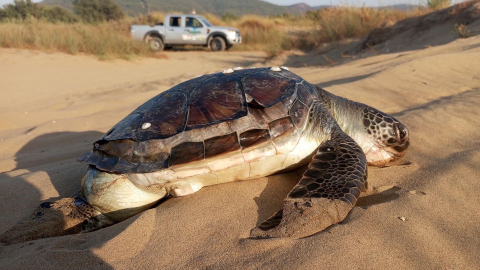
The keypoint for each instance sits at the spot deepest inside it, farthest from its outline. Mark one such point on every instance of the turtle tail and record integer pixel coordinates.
(66, 216)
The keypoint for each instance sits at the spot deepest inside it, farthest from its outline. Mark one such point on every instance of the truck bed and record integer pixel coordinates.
(139, 31)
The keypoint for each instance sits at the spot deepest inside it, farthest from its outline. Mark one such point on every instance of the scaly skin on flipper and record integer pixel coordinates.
(62, 217)
(328, 189)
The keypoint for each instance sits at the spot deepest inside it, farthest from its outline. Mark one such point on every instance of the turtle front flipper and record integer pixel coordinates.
(326, 193)
(62, 217)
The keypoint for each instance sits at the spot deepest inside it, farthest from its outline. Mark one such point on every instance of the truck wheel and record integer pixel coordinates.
(156, 44)
(217, 44)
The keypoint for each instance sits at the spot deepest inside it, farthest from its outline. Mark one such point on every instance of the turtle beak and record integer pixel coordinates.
(402, 132)
(400, 148)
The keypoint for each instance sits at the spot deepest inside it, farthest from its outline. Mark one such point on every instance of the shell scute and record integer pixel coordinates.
(125, 129)
(218, 99)
(150, 167)
(253, 137)
(221, 144)
(94, 157)
(304, 95)
(107, 162)
(124, 166)
(290, 75)
(164, 125)
(298, 112)
(280, 126)
(266, 89)
(187, 152)
(118, 148)
(312, 90)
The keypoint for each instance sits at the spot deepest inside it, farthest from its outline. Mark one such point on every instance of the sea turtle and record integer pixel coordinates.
(233, 125)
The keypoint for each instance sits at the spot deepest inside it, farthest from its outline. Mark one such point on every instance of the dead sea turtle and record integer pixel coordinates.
(234, 125)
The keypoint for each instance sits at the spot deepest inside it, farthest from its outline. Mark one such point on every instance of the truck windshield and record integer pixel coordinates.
(207, 23)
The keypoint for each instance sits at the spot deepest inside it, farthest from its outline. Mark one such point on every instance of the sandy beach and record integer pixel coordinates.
(54, 106)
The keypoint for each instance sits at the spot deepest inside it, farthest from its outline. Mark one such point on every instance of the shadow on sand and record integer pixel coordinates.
(53, 155)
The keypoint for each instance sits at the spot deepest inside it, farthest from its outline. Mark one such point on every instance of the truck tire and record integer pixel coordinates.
(155, 43)
(217, 44)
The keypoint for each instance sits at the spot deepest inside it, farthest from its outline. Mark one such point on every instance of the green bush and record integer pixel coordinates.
(92, 11)
(20, 10)
(23, 10)
(58, 14)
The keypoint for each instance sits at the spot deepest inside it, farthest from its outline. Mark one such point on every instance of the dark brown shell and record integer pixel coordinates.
(204, 117)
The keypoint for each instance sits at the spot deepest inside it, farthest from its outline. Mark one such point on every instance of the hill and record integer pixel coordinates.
(302, 7)
(217, 7)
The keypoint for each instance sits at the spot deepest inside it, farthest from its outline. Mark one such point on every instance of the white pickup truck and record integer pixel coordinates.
(186, 30)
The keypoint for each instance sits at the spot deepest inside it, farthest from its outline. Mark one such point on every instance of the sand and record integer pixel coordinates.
(54, 106)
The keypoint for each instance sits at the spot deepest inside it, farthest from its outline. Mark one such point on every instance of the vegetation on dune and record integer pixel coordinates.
(438, 4)
(99, 27)
(104, 40)
(276, 34)
(88, 11)
(462, 31)
(22, 10)
(97, 10)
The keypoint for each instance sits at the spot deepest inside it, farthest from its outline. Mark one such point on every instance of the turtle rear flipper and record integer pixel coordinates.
(326, 193)
(62, 217)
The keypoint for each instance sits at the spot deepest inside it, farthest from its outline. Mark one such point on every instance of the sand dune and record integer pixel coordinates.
(54, 106)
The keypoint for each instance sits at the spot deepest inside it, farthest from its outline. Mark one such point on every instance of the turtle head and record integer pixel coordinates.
(381, 137)
(388, 138)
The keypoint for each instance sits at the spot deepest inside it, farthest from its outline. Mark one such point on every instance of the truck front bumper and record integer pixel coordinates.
(234, 39)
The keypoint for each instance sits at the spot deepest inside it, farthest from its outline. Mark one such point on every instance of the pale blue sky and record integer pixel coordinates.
(346, 2)
(319, 2)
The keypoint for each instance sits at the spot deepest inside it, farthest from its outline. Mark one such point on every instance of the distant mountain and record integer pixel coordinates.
(302, 7)
(217, 7)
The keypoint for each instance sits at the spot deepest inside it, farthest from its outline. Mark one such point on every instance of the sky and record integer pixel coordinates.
(317, 2)
(372, 3)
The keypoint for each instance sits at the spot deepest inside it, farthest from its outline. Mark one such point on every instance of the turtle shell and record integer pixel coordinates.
(204, 117)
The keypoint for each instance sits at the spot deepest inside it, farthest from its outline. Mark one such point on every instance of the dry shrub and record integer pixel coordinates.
(213, 19)
(151, 19)
(104, 40)
(260, 33)
(276, 34)
(462, 31)
(271, 34)
(346, 22)
(438, 4)
(253, 23)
